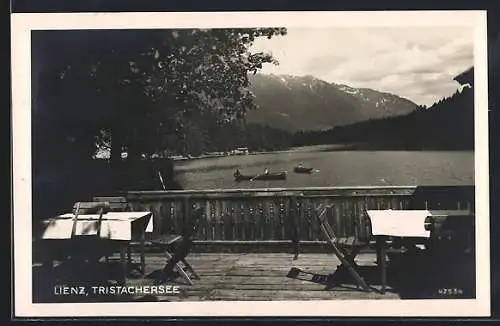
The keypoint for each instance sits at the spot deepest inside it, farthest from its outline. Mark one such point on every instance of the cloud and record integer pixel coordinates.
(318, 64)
(417, 63)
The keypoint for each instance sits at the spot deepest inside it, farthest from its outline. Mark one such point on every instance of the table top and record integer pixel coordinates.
(406, 223)
(114, 225)
(399, 223)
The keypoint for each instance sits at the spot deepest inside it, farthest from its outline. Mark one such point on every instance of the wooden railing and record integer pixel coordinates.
(286, 214)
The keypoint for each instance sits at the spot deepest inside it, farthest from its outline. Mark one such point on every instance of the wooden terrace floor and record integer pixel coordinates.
(263, 276)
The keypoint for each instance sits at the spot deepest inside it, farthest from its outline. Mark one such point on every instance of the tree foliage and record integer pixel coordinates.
(140, 91)
(446, 125)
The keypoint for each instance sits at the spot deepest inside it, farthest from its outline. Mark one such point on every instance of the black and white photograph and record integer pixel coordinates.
(313, 163)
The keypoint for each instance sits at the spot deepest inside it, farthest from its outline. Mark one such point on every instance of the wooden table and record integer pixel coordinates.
(118, 227)
(411, 225)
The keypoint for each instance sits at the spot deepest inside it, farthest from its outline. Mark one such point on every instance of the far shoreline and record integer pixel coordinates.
(331, 148)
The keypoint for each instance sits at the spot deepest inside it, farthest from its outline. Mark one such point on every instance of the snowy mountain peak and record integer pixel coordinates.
(308, 103)
(348, 90)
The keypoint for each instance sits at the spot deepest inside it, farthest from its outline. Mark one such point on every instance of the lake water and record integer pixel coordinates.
(334, 167)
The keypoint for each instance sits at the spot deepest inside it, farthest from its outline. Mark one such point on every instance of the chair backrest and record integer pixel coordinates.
(116, 203)
(321, 213)
(83, 208)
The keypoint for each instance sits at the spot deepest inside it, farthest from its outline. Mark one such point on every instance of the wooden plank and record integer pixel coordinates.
(168, 219)
(282, 215)
(252, 220)
(293, 295)
(261, 222)
(298, 217)
(240, 284)
(285, 259)
(274, 218)
(276, 272)
(262, 219)
(278, 219)
(349, 217)
(211, 223)
(311, 217)
(347, 241)
(111, 199)
(315, 226)
(290, 191)
(308, 286)
(270, 294)
(226, 221)
(175, 298)
(291, 286)
(218, 220)
(253, 281)
(266, 221)
(253, 242)
(360, 221)
(201, 223)
(246, 220)
(186, 216)
(282, 264)
(237, 219)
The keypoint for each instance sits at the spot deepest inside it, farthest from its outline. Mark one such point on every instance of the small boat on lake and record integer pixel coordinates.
(264, 176)
(302, 169)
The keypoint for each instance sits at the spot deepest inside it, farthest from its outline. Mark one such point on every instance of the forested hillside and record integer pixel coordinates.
(446, 125)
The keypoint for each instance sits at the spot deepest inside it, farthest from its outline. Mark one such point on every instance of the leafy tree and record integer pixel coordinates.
(142, 91)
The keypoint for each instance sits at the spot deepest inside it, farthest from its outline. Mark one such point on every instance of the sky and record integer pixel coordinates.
(417, 63)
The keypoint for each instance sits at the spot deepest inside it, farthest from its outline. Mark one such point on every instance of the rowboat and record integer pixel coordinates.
(269, 176)
(301, 169)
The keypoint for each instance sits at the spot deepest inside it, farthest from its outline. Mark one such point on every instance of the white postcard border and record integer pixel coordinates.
(23, 24)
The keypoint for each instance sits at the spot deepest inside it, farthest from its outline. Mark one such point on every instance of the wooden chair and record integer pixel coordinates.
(115, 203)
(82, 208)
(120, 204)
(176, 260)
(340, 247)
(88, 246)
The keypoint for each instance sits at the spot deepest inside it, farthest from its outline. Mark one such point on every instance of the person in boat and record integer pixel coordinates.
(302, 169)
(266, 171)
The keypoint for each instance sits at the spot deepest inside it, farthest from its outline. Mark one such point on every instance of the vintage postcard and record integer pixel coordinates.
(250, 164)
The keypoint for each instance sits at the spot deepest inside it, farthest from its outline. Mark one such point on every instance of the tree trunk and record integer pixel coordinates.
(134, 153)
(115, 158)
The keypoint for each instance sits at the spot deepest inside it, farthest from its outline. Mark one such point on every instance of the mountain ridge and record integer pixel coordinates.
(295, 103)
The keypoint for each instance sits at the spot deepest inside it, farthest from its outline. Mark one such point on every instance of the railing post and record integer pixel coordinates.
(186, 207)
(356, 216)
(294, 214)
